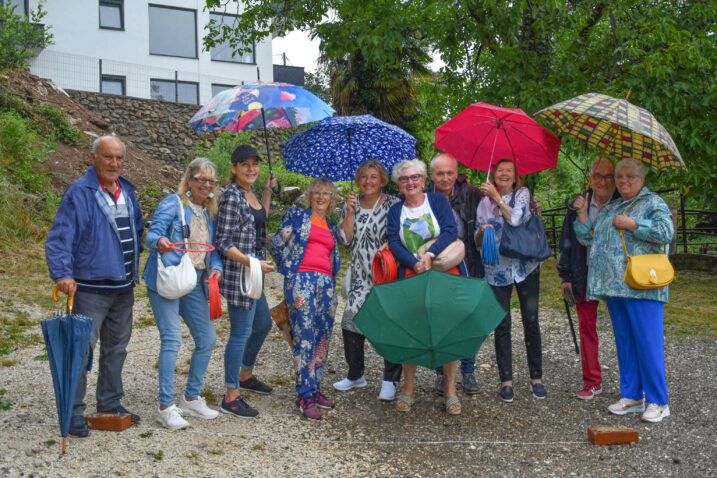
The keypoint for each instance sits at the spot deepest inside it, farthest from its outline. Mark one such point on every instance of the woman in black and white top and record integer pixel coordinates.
(241, 236)
(363, 227)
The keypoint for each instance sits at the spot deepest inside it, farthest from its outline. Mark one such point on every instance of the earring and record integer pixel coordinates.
(211, 195)
(189, 194)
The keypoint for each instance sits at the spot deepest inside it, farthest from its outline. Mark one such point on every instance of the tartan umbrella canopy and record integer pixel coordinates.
(616, 126)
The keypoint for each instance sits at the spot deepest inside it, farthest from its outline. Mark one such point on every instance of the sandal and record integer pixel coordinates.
(404, 403)
(453, 406)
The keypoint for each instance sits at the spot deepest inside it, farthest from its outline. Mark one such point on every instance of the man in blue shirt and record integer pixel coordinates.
(92, 253)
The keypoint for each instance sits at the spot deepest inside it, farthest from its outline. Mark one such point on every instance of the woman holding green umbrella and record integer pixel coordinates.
(419, 218)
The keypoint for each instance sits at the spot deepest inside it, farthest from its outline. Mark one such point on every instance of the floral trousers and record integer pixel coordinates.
(312, 306)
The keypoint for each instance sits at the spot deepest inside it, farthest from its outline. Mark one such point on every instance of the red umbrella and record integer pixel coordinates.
(482, 133)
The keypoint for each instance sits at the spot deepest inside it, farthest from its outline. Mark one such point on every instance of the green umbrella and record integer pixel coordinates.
(429, 319)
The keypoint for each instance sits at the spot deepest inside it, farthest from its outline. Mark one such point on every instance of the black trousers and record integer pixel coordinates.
(528, 292)
(354, 353)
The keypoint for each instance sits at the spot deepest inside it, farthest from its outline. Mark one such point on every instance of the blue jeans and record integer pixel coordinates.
(111, 316)
(194, 309)
(249, 328)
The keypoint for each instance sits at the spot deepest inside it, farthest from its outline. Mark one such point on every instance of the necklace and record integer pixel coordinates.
(196, 209)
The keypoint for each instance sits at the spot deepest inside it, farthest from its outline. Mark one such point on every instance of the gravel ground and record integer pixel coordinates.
(365, 437)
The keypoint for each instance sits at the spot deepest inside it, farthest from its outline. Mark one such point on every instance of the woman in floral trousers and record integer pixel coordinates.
(305, 249)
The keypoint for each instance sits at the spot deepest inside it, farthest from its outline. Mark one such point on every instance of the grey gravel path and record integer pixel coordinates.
(365, 437)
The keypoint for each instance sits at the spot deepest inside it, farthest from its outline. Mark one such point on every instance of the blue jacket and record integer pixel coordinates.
(606, 268)
(449, 232)
(289, 243)
(84, 242)
(167, 223)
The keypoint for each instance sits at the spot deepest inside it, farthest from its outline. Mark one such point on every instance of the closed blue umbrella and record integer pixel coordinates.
(66, 338)
(335, 147)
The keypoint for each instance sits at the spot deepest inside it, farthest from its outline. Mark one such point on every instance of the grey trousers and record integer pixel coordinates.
(111, 316)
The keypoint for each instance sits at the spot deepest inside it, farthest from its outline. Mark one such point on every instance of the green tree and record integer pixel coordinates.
(318, 84)
(20, 36)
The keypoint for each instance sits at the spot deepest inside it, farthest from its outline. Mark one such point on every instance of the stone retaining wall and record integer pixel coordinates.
(158, 127)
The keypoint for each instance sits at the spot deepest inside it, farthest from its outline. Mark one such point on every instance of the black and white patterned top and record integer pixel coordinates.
(362, 251)
(236, 227)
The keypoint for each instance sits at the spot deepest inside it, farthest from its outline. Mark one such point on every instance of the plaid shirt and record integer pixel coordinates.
(236, 228)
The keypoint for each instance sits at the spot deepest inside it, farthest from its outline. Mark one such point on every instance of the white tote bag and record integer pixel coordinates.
(177, 281)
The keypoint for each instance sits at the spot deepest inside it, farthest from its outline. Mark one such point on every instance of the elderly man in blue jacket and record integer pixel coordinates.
(92, 253)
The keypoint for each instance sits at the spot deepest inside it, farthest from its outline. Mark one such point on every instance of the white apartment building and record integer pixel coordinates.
(140, 48)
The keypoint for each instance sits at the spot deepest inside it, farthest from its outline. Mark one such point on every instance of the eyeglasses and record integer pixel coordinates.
(629, 177)
(211, 182)
(323, 194)
(413, 178)
(599, 177)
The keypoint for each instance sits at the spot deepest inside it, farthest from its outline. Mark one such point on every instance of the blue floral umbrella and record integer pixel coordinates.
(335, 147)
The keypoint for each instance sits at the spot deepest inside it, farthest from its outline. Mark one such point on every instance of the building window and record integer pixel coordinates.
(175, 92)
(21, 6)
(114, 85)
(223, 51)
(112, 14)
(172, 31)
(218, 88)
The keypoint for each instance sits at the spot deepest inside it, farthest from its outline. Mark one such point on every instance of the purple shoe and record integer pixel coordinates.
(323, 402)
(308, 408)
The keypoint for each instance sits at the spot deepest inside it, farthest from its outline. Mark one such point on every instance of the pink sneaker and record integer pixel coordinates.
(308, 408)
(589, 391)
(321, 400)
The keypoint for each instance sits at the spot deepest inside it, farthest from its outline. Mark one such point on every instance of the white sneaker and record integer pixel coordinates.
(388, 391)
(347, 384)
(655, 413)
(626, 405)
(171, 418)
(197, 408)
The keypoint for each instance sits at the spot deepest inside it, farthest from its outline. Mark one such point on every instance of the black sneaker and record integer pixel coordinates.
(255, 385)
(538, 390)
(506, 393)
(440, 384)
(470, 386)
(122, 410)
(78, 427)
(237, 407)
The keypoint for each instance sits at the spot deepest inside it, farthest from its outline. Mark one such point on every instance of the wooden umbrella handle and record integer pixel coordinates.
(70, 299)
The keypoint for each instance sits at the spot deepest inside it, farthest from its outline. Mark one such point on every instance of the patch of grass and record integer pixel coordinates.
(159, 455)
(208, 395)
(215, 451)
(146, 434)
(258, 447)
(279, 380)
(143, 322)
(58, 125)
(5, 404)
(14, 326)
(151, 196)
(49, 442)
(9, 362)
(42, 357)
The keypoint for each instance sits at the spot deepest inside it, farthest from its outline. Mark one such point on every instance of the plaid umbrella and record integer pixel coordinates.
(616, 126)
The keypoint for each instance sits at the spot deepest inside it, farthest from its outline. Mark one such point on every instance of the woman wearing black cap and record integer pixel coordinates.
(241, 237)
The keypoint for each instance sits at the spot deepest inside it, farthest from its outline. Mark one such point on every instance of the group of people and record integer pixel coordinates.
(93, 250)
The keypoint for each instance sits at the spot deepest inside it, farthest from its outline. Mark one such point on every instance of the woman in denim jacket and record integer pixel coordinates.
(637, 314)
(196, 192)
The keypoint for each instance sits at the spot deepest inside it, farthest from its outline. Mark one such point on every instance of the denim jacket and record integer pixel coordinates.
(607, 262)
(167, 223)
(289, 243)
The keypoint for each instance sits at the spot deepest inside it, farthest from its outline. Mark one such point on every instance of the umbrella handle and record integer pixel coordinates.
(70, 299)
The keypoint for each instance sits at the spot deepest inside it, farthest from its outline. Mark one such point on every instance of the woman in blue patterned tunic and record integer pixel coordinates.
(241, 234)
(306, 251)
(504, 199)
(363, 226)
(637, 314)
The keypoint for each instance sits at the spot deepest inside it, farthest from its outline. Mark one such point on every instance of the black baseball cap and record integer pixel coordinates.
(244, 152)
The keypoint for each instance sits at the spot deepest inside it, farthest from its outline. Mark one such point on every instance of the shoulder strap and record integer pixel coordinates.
(622, 236)
(185, 229)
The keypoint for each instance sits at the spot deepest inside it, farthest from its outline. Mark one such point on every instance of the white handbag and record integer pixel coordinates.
(177, 281)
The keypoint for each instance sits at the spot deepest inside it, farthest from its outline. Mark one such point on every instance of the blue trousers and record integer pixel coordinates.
(194, 309)
(639, 330)
(312, 303)
(249, 329)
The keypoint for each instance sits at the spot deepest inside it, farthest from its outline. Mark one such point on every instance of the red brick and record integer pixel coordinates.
(109, 421)
(612, 435)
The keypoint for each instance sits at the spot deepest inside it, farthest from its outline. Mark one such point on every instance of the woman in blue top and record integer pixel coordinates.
(196, 193)
(416, 220)
(505, 199)
(637, 314)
